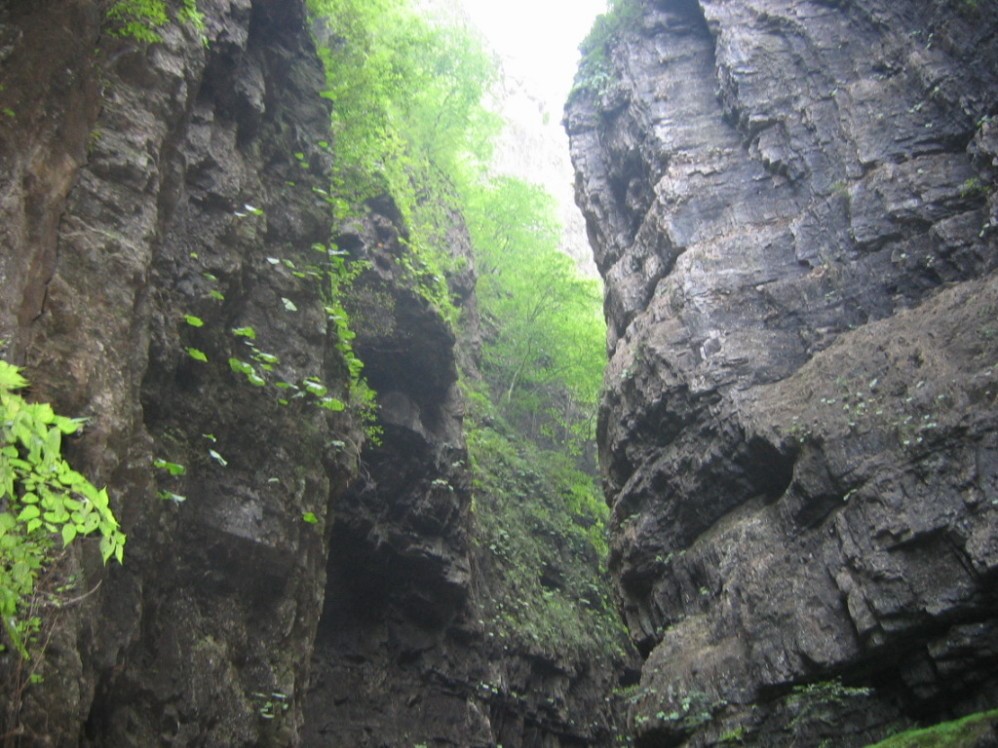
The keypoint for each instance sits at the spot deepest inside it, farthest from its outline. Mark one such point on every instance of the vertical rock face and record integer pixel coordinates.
(152, 203)
(397, 647)
(793, 205)
(284, 582)
(407, 652)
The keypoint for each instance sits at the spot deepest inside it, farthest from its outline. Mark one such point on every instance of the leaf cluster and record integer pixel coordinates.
(141, 20)
(41, 498)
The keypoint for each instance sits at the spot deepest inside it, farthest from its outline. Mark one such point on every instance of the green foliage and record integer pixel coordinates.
(41, 498)
(543, 324)
(970, 730)
(594, 68)
(407, 121)
(541, 523)
(141, 19)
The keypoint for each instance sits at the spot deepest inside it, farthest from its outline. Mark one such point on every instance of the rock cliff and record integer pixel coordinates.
(793, 205)
(152, 205)
(166, 222)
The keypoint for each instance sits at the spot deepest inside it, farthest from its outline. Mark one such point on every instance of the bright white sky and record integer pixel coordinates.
(538, 39)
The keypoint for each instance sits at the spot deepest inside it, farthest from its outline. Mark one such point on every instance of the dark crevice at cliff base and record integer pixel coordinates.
(793, 205)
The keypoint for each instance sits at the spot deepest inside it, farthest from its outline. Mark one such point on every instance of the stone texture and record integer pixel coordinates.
(793, 206)
(140, 184)
(126, 174)
(403, 654)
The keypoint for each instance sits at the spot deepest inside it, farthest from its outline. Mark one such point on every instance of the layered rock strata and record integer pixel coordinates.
(793, 205)
(152, 204)
(286, 580)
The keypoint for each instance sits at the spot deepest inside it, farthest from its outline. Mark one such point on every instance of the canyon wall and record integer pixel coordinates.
(166, 240)
(152, 205)
(793, 205)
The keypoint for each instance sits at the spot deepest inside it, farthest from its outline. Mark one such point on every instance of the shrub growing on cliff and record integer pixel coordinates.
(594, 67)
(41, 499)
(407, 120)
(141, 19)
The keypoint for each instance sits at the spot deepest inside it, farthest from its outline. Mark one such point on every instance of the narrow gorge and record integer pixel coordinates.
(357, 489)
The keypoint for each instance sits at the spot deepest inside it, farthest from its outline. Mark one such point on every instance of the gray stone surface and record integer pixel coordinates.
(793, 205)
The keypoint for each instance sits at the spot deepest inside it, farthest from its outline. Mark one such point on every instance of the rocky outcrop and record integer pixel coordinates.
(793, 205)
(152, 203)
(410, 650)
(396, 652)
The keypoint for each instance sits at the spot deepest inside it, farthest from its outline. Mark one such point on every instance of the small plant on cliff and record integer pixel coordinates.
(42, 501)
(594, 68)
(141, 19)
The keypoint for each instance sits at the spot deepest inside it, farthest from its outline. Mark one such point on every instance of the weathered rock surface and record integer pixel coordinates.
(296, 585)
(793, 205)
(127, 175)
(406, 652)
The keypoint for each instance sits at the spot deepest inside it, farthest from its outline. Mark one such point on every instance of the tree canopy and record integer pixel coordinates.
(409, 121)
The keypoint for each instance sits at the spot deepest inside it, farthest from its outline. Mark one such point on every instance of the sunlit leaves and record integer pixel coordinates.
(544, 331)
(172, 468)
(41, 498)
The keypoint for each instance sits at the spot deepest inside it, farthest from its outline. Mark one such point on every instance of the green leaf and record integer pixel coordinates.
(331, 403)
(197, 355)
(171, 467)
(69, 425)
(241, 367)
(170, 496)
(29, 512)
(217, 457)
(106, 548)
(315, 388)
(216, 295)
(244, 332)
(68, 534)
(10, 377)
(101, 500)
(310, 518)
(289, 305)
(193, 321)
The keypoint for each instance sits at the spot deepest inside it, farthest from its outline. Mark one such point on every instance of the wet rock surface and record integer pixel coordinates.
(793, 206)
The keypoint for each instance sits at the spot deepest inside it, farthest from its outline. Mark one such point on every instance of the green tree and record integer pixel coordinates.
(544, 331)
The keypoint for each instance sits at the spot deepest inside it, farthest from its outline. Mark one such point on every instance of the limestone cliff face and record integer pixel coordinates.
(793, 205)
(141, 184)
(298, 584)
(407, 651)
